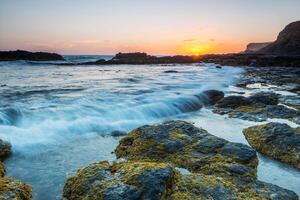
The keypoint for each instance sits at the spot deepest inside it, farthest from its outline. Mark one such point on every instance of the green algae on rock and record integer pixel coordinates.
(160, 181)
(128, 180)
(187, 146)
(276, 140)
(218, 169)
(13, 189)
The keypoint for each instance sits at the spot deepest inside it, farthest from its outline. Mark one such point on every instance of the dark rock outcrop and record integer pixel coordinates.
(26, 55)
(5, 149)
(211, 97)
(276, 140)
(287, 42)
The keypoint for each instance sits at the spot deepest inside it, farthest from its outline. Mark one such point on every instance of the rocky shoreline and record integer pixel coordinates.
(176, 160)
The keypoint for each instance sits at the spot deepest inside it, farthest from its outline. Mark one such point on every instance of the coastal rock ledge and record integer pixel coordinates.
(174, 160)
(276, 140)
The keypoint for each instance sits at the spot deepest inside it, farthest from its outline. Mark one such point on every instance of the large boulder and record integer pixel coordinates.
(276, 140)
(128, 180)
(12, 189)
(187, 146)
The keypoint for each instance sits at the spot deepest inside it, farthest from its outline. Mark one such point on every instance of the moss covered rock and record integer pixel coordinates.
(187, 146)
(160, 181)
(276, 140)
(12, 189)
(128, 180)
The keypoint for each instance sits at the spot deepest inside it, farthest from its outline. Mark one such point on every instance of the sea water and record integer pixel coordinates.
(59, 118)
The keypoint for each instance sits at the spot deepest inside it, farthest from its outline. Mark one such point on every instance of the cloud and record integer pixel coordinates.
(189, 40)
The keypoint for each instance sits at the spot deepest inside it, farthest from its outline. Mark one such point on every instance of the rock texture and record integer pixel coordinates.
(5, 149)
(26, 55)
(276, 140)
(254, 47)
(287, 42)
(258, 107)
(189, 147)
(12, 189)
(220, 169)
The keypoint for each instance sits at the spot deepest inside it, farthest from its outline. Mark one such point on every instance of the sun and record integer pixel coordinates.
(197, 49)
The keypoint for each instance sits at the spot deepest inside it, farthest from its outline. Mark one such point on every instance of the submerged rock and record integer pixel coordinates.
(276, 140)
(12, 189)
(189, 147)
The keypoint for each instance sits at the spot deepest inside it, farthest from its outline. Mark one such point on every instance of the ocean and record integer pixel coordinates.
(60, 118)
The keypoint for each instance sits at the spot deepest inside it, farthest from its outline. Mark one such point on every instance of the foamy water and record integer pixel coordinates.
(59, 118)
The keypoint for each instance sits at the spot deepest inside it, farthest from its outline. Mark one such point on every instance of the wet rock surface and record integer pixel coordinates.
(257, 107)
(276, 140)
(13, 189)
(189, 147)
(5, 149)
(149, 170)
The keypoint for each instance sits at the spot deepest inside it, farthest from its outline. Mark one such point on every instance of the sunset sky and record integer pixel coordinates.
(152, 26)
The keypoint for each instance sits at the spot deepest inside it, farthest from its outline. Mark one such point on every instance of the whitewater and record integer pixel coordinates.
(60, 118)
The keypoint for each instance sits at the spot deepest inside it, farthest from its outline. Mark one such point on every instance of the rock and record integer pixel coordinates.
(280, 111)
(160, 181)
(12, 189)
(127, 180)
(276, 140)
(2, 169)
(220, 169)
(258, 107)
(287, 42)
(233, 102)
(170, 71)
(5, 149)
(188, 147)
(266, 98)
(273, 192)
(26, 55)
(254, 47)
(212, 96)
(117, 133)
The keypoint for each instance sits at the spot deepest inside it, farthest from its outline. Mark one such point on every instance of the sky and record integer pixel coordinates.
(160, 27)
